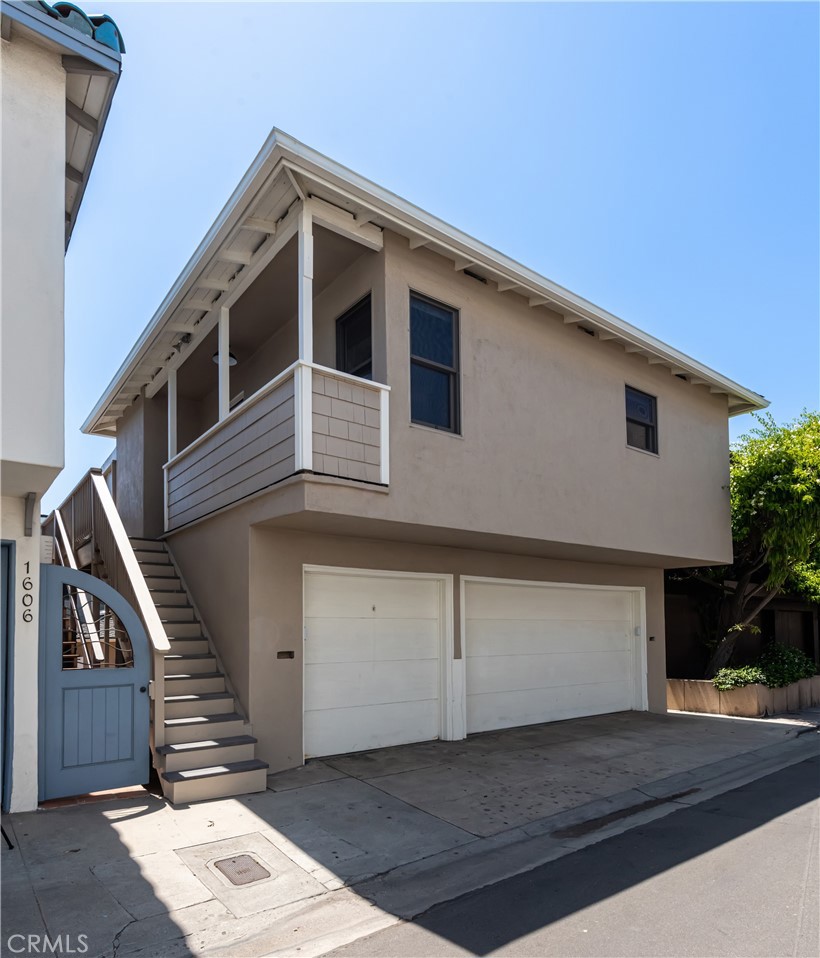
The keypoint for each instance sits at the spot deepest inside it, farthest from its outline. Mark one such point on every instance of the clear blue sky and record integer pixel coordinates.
(659, 159)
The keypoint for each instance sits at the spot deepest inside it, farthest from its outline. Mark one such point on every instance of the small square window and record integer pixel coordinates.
(433, 364)
(641, 420)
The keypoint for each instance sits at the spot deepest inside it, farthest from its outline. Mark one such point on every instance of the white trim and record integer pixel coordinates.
(384, 437)
(449, 729)
(172, 413)
(303, 417)
(224, 362)
(305, 283)
(639, 678)
(147, 609)
(281, 151)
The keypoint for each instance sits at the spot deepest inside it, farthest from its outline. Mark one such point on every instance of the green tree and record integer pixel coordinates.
(775, 497)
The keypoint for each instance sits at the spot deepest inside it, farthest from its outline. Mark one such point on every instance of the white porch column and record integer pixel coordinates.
(305, 228)
(303, 374)
(224, 362)
(172, 413)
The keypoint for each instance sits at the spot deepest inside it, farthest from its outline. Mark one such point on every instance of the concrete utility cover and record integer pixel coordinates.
(242, 870)
(267, 878)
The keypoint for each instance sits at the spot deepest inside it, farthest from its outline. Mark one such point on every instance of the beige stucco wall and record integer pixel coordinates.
(248, 583)
(542, 451)
(31, 261)
(142, 449)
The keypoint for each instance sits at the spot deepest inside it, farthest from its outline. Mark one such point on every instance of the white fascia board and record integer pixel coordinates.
(244, 194)
(281, 148)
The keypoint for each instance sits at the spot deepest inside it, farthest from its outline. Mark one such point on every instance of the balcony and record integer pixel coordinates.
(309, 418)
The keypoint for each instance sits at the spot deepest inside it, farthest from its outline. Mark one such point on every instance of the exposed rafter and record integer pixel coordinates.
(236, 256)
(462, 262)
(208, 282)
(81, 118)
(417, 241)
(505, 286)
(259, 225)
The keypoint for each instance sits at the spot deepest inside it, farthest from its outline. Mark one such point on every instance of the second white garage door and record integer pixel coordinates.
(373, 667)
(539, 652)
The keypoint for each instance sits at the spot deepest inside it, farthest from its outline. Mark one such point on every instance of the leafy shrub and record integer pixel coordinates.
(782, 665)
(727, 679)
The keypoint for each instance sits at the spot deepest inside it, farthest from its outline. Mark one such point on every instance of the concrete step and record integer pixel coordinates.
(218, 781)
(195, 684)
(189, 646)
(165, 597)
(201, 703)
(176, 613)
(184, 630)
(187, 755)
(199, 728)
(189, 664)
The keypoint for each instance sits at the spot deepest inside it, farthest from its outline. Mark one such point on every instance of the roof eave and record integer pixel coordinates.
(280, 147)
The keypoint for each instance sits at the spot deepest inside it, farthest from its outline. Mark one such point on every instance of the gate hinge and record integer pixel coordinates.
(151, 690)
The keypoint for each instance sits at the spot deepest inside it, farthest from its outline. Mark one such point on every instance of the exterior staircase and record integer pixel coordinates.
(209, 751)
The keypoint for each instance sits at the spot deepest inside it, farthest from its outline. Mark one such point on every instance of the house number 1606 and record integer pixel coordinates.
(28, 598)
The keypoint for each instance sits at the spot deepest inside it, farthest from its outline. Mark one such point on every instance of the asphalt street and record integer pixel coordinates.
(736, 875)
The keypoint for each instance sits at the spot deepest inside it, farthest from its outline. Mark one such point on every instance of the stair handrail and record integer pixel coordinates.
(81, 607)
(145, 604)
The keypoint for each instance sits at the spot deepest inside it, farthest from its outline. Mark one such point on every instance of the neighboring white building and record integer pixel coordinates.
(59, 71)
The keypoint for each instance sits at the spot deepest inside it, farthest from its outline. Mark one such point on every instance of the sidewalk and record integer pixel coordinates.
(346, 846)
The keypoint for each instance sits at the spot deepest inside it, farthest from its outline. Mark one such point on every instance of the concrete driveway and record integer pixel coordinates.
(359, 838)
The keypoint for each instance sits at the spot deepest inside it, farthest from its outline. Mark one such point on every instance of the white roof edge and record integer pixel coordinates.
(417, 219)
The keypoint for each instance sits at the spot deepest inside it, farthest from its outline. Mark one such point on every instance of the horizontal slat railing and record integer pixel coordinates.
(308, 418)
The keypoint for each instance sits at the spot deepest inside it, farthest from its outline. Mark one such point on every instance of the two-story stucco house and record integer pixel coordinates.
(388, 485)
(59, 71)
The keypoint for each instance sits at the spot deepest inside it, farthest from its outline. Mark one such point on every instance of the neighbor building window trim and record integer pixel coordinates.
(648, 425)
(453, 372)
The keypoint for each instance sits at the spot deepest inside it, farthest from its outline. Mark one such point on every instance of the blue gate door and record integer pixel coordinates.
(94, 668)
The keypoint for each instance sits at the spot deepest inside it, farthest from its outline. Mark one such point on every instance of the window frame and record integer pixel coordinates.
(454, 371)
(340, 346)
(653, 448)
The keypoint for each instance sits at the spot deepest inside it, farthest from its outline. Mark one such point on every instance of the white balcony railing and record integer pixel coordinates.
(308, 418)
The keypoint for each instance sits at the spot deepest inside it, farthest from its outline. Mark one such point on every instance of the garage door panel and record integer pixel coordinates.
(546, 671)
(337, 731)
(520, 637)
(494, 710)
(363, 640)
(372, 672)
(353, 596)
(541, 652)
(511, 602)
(351, 684)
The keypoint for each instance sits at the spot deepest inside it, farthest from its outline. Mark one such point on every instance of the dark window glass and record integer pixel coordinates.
(431, 332)
(354, 341)
(433, 364)
(430, 396)
(641, 420)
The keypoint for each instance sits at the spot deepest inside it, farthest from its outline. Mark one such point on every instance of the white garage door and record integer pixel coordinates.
(539, 652)
(372, 660)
